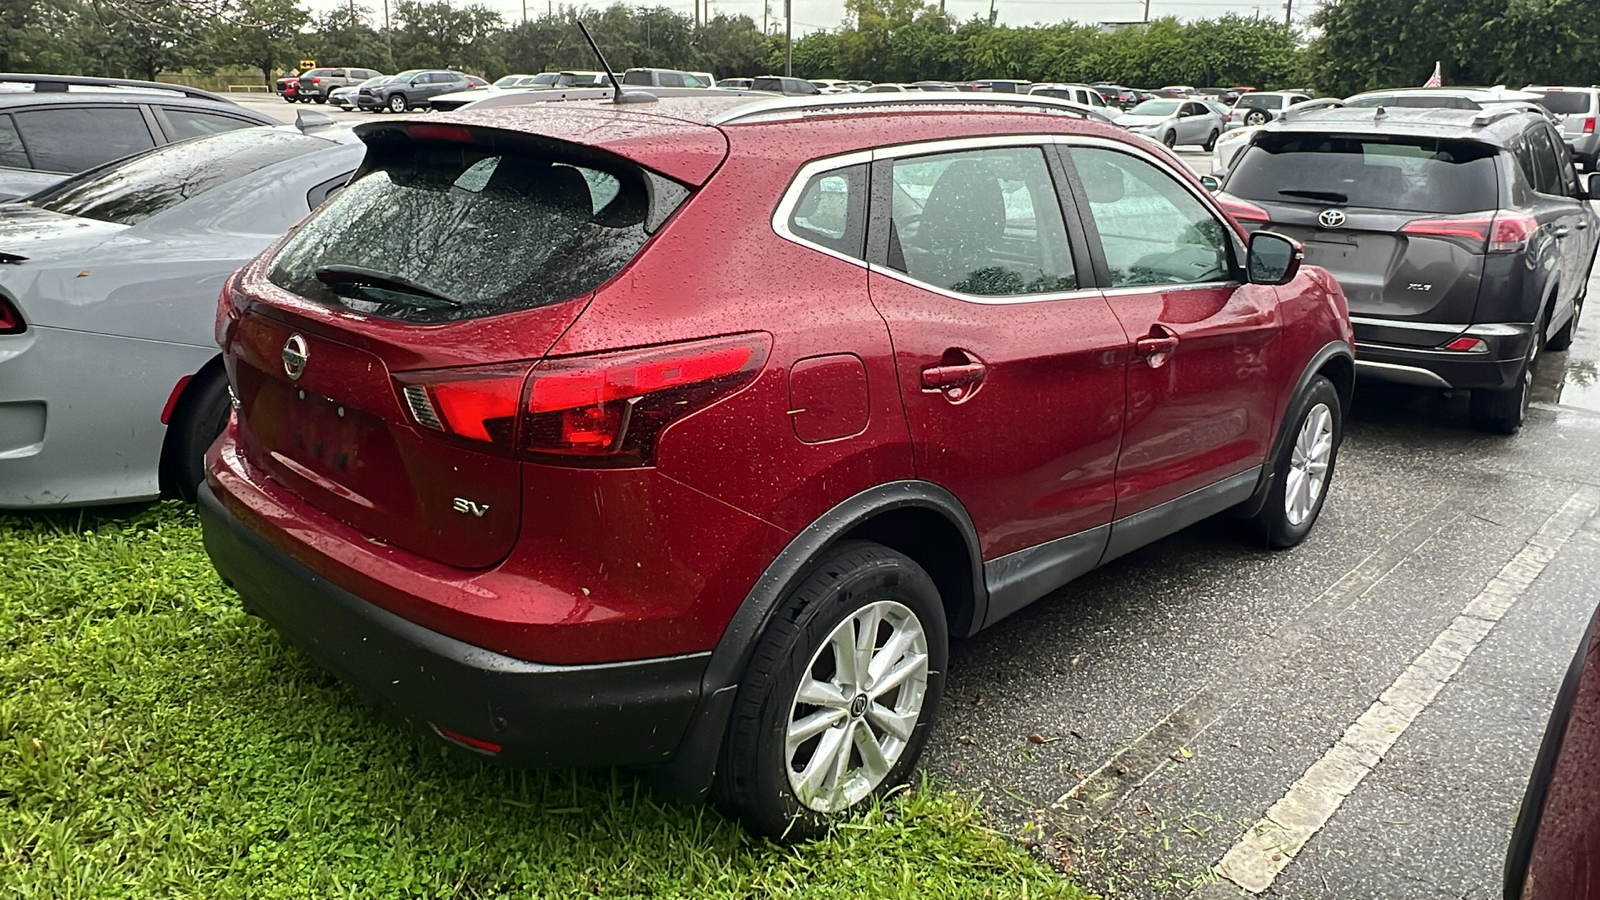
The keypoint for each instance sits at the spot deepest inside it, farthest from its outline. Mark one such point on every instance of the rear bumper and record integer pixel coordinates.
(629, 713)
(1497, 367)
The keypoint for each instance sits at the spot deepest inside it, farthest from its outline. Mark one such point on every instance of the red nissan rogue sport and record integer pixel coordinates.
(686, 434)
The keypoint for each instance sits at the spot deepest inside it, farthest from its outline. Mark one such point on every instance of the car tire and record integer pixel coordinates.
(1562, 339)
(1211, 142)
(855, 586)
(201, 414)
(320, 99)
(398, 103)
(1502, 411)
(1170, 139)
(1303, 470)
(1255, 117)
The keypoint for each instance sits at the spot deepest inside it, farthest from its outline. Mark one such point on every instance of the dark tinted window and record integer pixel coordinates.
(188, 123)
(136, 189)
(1410, 174)
(11, 151)
(832, 211)
(71, 140)
(671, 79)
(768, 84)
(1408, 101)
(1259, 101)
(1546, 167)
(984, 222)
(1565, 103)
(435, 233)
(639, 77)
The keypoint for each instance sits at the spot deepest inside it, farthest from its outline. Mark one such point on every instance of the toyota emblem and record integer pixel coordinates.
(1331, 218)
(294, 357)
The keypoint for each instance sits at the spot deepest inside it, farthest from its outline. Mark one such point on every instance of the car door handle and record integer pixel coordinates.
(1562, 231)
(1583, 226)
(1156, 346)
(955, 377)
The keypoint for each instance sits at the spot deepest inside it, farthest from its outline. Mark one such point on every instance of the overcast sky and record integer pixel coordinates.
(811, 15)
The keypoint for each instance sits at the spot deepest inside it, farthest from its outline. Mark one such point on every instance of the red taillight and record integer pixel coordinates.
(1242, 210)
(1588, 125)
(441, 133)
(316, 81)
(1498, 233)
(172, 399)
(601, 410)
(227, 315)
(1467, 345)
(10, 318)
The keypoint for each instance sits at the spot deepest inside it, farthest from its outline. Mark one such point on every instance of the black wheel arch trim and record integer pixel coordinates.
(688, 776)
(1330, 351)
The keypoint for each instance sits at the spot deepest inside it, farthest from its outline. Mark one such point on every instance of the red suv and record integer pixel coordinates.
(529, 449)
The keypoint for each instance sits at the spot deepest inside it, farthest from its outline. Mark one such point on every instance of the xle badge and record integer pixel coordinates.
(463, 505)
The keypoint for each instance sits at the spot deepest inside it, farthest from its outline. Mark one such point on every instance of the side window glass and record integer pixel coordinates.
(71, 140)
(981, 222)
(671, 79)
(1547, 172)
(12, 153)
(1153, 231)
(1096, 100)
(188, 123)
(1524, 156)
(832, 211)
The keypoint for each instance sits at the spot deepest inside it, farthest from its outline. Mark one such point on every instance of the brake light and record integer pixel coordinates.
(1242, 210)
(603, 410)
(10, 317)
(1588, 125)
(1467, 345)
(1498, 233)
(316, 81)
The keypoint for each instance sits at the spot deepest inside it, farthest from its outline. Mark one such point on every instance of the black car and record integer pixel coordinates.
(1463, 239)
(53, 126)
(1117, 95)
(411, 88)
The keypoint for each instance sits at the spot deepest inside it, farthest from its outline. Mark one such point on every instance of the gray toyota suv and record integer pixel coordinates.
(1462, 239)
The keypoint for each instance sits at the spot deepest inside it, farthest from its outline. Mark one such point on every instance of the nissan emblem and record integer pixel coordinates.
(295, 354)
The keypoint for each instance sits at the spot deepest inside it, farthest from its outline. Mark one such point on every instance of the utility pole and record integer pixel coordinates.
(1147, 12)
(1288, 13)
(992, 12)
(388, 37)
(788, 38)
(525, 11)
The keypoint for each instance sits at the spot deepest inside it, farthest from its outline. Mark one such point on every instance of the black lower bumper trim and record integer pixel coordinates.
(632, 713)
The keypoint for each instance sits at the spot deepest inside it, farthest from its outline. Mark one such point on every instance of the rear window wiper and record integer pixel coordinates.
(357, 279)
(1330, 196)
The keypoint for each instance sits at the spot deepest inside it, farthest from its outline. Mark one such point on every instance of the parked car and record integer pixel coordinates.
(581, 78)
(413, 88)
(743, 83)
(1234, 140)
(665, 78)
(288, 86)
(888, 88)
(1551, 855)
(568, 84)
(317, 84)
(1440, 98)
(1004, 85)
(345, 97)
(1577, 108)
(1174, 122)
(722, 514)
(1117, 95)
(1463, 239)
(933, 86)
(1224, 96)
(63, 124)
(1081, 94)
(832, 86)
(778, 84)
(1261, 107)
(110, 383)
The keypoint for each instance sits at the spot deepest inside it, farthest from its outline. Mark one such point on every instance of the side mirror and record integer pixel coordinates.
(1211, 182)
(1588, 183)
(1273, 258)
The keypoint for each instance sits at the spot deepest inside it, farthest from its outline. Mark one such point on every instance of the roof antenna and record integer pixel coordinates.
(1379, 113)
(618, 94)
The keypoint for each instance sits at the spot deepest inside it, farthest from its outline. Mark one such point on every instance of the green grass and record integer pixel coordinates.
(157, 741)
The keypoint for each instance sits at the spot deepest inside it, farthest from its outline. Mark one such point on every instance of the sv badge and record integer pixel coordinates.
(463, 505)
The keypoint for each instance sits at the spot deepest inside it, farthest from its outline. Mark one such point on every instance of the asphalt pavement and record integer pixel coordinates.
(1156, 720)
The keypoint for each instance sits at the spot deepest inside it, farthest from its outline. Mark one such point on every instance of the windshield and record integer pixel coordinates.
(1408, 174)
(1155, 108)
(1564, 103)
(435, 233)
(544, 78)
(134, 189)
(1259, 101)
(508, 80)
(374, 81)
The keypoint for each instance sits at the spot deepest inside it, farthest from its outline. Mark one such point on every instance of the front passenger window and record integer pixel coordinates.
(1153, 231)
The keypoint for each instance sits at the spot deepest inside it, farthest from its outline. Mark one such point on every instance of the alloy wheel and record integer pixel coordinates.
(856, 706)
(1308, 464)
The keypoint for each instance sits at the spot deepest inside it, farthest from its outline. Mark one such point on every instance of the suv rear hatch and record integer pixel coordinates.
(380, 355)
(1392, 217)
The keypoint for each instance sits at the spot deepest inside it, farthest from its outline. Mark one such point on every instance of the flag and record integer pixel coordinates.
(1434, 80)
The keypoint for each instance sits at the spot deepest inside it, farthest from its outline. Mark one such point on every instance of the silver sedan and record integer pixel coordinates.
(111, 384)
(1174, 122)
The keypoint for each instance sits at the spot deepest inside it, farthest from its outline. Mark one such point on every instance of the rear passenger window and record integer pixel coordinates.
(1546, 168)
(1152, 230)
(71, 140)
(983, 222)
(188, 123)
(12, 153)
(832, 211)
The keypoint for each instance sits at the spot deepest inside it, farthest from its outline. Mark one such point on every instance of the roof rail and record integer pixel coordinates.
(54, 83)
(1497, 112)
(831, 102)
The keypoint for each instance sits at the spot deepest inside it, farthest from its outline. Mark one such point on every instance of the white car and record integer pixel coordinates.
(1081, 94)
(1231, 142)
(1261, 107)
(1174, 122)
(1442, 98)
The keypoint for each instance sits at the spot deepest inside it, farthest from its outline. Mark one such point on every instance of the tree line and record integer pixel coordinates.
(1358, 44)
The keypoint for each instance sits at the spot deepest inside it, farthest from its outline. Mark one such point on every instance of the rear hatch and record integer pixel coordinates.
(380, 356)
(1396, 219)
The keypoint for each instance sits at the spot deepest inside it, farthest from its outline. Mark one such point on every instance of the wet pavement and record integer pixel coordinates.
(1180, 692)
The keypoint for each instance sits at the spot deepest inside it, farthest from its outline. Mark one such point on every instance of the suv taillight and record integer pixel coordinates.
(1588, 125)
(1503, 232)
(10, 317)
(604, 410)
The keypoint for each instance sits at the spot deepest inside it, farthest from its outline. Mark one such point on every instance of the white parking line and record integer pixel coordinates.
(1272, 843)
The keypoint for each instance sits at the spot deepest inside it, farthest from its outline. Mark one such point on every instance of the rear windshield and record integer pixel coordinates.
(1259, 101)
(437, 232)
(130, 191)
(1408, 174)
(1564, 103)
